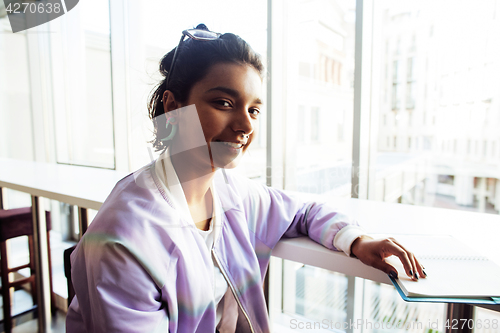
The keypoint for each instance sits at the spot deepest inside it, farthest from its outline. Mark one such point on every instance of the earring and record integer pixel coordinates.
(173, 131)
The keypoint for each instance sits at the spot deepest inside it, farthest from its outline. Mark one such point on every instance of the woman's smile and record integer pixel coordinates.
(221, 148)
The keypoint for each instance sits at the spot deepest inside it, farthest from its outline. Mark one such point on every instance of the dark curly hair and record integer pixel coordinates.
(194, 59)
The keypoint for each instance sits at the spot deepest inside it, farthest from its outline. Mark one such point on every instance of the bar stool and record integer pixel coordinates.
(15, 223)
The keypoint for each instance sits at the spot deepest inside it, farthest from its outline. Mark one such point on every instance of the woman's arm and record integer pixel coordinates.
(114, 293)
(273, 214)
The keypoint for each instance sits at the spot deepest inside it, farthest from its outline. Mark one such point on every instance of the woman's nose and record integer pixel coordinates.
(243, 122)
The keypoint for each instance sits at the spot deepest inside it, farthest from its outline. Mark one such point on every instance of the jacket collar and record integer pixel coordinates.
(168, 178)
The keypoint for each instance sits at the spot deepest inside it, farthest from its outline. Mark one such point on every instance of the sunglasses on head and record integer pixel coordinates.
(196, 34)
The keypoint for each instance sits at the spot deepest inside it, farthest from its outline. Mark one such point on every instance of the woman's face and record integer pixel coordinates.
(228, 102)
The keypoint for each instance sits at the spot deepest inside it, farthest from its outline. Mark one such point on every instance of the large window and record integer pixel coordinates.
(16, 122)
(82, 87)
(317, 110)
(432, 113)
(76, 93)
(446, 106)
(447, 118)
(318, 95)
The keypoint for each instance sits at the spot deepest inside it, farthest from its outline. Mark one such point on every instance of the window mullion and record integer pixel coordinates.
(362, 100)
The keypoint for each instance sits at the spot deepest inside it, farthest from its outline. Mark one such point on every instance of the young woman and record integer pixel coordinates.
(182, 245)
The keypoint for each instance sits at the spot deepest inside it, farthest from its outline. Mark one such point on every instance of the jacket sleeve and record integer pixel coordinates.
(114, 293)
(273, 214)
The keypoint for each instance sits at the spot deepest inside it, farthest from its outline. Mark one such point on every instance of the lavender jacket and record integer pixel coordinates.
(143, 267)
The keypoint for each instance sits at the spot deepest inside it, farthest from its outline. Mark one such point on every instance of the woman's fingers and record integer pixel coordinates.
(401, 253)
(384, 266)
(373, 252)
(410, 262)
(420, 268)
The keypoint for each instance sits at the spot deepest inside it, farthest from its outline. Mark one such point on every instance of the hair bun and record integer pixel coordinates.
(201, 26)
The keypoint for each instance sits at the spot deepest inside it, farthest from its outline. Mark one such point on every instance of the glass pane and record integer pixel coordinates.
(486, 320)
(387, 312)
(437, 118)
(438, 139)
(319, 295)
(319, 90)
(319, 96)
(81, 64)
(154, 36)
(16, 123)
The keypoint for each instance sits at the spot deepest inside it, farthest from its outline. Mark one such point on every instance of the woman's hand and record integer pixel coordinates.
(372, 252)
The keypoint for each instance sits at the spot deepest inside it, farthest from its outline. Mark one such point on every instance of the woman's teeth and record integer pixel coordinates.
(234, 145)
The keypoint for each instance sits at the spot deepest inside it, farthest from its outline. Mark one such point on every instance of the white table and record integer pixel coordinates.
(84, 187)
(479, 231)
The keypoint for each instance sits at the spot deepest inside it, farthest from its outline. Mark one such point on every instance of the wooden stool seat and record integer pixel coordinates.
(16, 223)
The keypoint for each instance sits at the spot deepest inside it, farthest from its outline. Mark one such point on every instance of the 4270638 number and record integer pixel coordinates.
(471, 324)
(31, 7)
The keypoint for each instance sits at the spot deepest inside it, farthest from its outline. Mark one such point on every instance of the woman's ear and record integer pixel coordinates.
(169, 102)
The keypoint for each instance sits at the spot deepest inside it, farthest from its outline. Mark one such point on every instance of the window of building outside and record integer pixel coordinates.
(454, 91)
(395, 85)
(411, 81)
(301, 134)
(315, 121)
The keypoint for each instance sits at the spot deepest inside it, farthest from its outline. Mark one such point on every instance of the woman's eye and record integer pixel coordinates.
(254, 112)
(223, 103)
